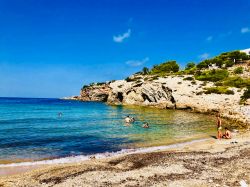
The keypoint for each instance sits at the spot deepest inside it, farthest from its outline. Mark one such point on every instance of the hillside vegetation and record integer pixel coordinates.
(223, 72)
(222, 61)
(229, 69)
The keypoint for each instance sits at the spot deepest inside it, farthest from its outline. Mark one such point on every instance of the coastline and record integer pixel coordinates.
(162, 165)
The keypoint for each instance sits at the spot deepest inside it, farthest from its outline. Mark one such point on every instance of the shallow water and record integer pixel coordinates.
(31, 129)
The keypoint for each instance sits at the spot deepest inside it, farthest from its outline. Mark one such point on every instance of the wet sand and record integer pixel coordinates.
(209, 163)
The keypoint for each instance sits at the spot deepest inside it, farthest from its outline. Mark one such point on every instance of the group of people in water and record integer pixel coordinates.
(227, 133)
(128, 120)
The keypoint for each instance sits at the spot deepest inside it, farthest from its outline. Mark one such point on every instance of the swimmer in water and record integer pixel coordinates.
(132, 119)
(145, 125)
(127, 119)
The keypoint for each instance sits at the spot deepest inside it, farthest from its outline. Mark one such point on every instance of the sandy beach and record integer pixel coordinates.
(208, 163)
(125, 93)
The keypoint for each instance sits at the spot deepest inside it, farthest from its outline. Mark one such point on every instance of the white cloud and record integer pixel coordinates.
(204, 56)
(121, 37)
(135, 63)
(245, 30)
(210, 38)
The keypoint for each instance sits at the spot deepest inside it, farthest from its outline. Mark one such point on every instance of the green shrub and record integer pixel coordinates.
(246, 94)
(167, 67)
(228, 58)
(238, 56)
(193, 82)
(190, 65)
(198, 73)
(238, 70)
(218, 61)
(229, 92)
(128, 79)
(100, 83)
(219, 90)
(218, 84)
(182, 72)
(237, 82)
(212, 75)
(145, 71)
(204, 64)
(155, 77)
(229, 63)
(190, 71)
(199, 93)
(84, 87)
(188, 79)
(204, 83)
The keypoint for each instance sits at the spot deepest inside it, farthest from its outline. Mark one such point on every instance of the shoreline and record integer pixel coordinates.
(105, 155)
(22, 167)
(89, 172)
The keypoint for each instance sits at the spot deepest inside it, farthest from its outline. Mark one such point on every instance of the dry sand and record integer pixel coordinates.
(210, 163)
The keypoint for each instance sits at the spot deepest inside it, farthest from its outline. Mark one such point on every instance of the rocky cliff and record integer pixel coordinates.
(95, 93)
(174, 92)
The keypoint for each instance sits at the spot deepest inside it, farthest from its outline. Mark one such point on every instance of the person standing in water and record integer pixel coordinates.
(219, 127)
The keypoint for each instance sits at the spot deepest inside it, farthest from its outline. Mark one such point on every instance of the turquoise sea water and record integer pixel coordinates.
(31, 129)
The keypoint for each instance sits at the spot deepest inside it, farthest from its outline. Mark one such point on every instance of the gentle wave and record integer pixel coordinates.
(74, 159)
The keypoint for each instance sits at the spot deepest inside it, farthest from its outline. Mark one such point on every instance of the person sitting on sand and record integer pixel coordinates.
(227, 134)
(145, 125)
(219, 127)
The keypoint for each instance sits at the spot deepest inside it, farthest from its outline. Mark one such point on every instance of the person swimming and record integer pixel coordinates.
(127, 119)
(145, 125)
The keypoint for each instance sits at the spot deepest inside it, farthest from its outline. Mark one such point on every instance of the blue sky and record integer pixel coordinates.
(51, 48)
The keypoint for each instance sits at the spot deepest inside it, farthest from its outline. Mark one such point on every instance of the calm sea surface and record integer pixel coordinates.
(31, 129)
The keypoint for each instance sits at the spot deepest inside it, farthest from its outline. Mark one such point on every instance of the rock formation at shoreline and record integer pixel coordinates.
(172, 92)
(95, 93)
